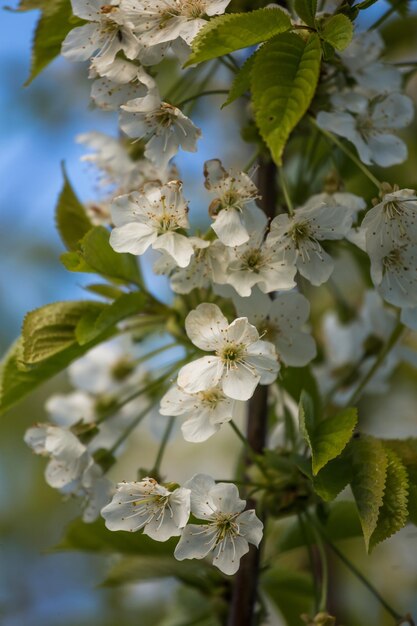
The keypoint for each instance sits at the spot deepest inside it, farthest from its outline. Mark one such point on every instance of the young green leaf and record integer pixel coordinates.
(51, 329)
(284, 80)
(241, 82)
(53, 26)
(369, 468)
(227, 33)
(306, 417)
(17, 380)
(93, 324)
(306, 9)
(393, 513)
(331, 436)
(71, 219)
(333, 478)
(337, 31)
(96, 251)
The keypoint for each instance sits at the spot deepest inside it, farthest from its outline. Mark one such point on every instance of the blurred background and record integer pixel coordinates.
(39, 587)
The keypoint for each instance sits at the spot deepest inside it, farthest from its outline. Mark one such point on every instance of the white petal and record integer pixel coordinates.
(201, 504)
(240, 382)
(201, 374)
(199, 428)
(81, 42)
(206, 326)
(178, 246)
(228, 554)
(226, 498)
(134, 238)
(229, 228)
(250, 527)
(195, 542)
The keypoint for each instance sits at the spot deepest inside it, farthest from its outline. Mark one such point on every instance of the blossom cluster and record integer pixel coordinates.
(250, 318)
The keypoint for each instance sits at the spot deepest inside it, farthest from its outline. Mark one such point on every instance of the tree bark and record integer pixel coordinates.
(245, 588)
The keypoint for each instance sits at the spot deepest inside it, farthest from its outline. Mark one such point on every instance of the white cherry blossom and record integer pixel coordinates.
(111, 91)
(350, 201)
(394, 272)
(351, 348)
(71, 469)
(204, 411)
(150, 218)
(116, 168)
(393, 221)
(163, 21)
(161, 512)
(301, 233)
(208, 265)
(361, 58)
(368, 124)
(68, 456)
(68, 409)
(105, 369)
(233, 209)
(227, 529)
(240, 359)
(164, 126)
(281, 321)
(260, 262)
(105, 35)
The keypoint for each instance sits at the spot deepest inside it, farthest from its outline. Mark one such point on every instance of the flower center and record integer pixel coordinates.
(394, 261)
(192, 8)
(232, 353)
(121, 369)
(107, 8)
(226, 526)
(253, 260)
(211, 397)
(165, 115)
(299, 232)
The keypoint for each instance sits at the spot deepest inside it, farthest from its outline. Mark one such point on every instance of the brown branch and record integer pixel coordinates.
(245, 589)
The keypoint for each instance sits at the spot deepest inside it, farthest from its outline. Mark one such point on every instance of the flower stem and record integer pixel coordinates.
(210, 92)
(155, 352)
(358, 574)
(395, 336)
(130, 428)
(307, 543)
(162, 447)
(322, 606)
(284, 186)
(385, 15)
(347, 152)
(242, 610)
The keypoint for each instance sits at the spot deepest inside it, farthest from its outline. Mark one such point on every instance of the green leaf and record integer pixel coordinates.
(96, 538)
(284, 80)
(412, 504)
(17, 381)
(295, 380)
(306, 9)
(332, 479)
(369, 467)
(393, 513)
(95, 323)
(306, 417)
(95, 254)
(227, 33)
(337, 31)
(341, 523)
(51, 30)
(70, 216)
(331, 436)
(51, 329)
(109, 292)
(291, 592)
(241, 82)
(73, 262)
